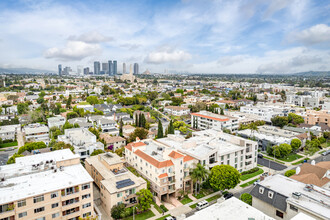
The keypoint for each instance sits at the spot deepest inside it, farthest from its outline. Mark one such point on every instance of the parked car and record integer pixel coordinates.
(170, 218)
(228, 195)
(325, 153)
(260, 156)
(202, 204)
(256, 182)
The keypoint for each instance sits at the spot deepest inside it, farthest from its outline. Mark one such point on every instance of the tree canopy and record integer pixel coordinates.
(224, 177)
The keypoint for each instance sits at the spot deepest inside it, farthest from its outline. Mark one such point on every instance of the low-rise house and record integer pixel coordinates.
(36, 132)
(107, 126)
(120, 115)
(127, 121)
(281, 197)
(113, 142)
(82, 122)
(9, 132)
(57, 121)
(177, 110)
(83, 141)
(89, 108)
(127, 130)
(207, 120)
(52, 185)
(117, 184)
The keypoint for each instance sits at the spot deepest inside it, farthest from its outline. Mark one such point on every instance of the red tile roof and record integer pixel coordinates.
(187, 158)
(210, 117)
(135, 144)
(153, 161)
(162, 175)
(175, 155)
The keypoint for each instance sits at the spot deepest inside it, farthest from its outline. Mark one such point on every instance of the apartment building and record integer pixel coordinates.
(177, 110)
(211, 148)
(8, 132)
(266, 112)
(281, 197)
(52, 185)
(207, 120)
(57, 121)
(165, 168)
(36, 132)
(117, 184)
(83, 141)
(317, 117)
(303, 100)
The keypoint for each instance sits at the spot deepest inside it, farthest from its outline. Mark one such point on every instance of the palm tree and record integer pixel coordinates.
(198, 174)
(253, 127)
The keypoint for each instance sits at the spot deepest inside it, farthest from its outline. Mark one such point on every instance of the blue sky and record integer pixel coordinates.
(255, 36)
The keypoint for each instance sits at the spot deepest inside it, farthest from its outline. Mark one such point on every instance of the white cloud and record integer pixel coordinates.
(91, 37)
(230, 60)
(167, 55)
(74, 50)
(319, 33)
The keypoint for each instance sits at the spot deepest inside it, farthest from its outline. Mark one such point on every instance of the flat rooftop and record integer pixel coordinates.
(232, 209)
(22, 181)
(308, 200)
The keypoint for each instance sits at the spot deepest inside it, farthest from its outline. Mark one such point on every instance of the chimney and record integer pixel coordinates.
(137, 139)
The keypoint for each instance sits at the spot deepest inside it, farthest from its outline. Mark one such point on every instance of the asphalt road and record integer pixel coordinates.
(273, 165)
(3, 158)
(321, 158)
(245, 190)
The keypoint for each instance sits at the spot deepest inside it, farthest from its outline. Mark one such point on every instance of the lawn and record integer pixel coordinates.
(162, 218)
(185, 200)
(291, 157)
(213, 198)
(157, 208)
(248, 183)
(193, 206)
(277, 161)
(9, 144)
(300, 161)
(248, 176)
(142, 216)
(83, 103)
(199, 195)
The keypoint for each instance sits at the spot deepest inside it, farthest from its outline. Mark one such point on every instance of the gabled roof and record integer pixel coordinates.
(187, 158)
(153, 161)
(163, 175)
(308, 168)
(210, 117)
(175, 155)
(134, 144)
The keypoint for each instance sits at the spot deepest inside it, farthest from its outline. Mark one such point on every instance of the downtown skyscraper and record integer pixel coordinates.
(124, 68)
(97, 68)
(114, 71)
(136, 69)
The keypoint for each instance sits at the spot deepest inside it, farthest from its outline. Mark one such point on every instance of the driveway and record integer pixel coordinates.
(273, 165)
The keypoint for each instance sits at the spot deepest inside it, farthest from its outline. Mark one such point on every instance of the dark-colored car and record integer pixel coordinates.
(228, 195)
(260, 156)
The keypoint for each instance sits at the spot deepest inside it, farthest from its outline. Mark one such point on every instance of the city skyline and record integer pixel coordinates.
(213, 37)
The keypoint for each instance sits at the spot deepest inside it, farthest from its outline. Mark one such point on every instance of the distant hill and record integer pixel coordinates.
(313, 73)
(23, 71)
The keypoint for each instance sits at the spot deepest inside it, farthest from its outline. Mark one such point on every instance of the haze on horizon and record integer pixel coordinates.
(255, 36)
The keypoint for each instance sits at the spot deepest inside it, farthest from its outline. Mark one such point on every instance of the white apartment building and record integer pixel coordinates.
(177, 110)
(303, 100)
(117, 184)
(207, 120)
(57, 121)
(211, 148)
(36, 132)
(83, 141)
(281, 197)
(9, 132)
(165, 168)
(265, 112)
(51, 185)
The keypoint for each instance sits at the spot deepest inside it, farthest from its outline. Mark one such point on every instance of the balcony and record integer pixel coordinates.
(70, 211)
(7, 208)
(70, 201)
(70, 191)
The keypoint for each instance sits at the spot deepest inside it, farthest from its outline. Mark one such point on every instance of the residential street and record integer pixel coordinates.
(273, 165)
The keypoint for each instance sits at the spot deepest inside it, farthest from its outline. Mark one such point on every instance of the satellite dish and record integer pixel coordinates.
(297, 170)
(313, 162)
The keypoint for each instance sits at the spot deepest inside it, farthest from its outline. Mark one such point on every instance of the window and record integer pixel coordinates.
(38, 199)
(21, 203)
(261, 190)
(21, 215)
(222, 157)
(86, 186)
(270, 194)
(41, 209)
(294, 208)
(86, 205)
(41, 218)
(54, 195)
(54, 205)
(279, 214)
(86, 196)
(119, 194)
(87, 214)
(55, 215)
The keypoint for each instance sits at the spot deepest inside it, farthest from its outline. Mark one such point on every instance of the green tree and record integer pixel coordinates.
(95, 131)
(144, 199)
(71, 115)
(221, 112)
(280, 121)
(96, 152)
(117, 211)
(295, 119)
(198, 174)
(12, 159)
(295, 144)
(247, 198)
(40, 100)
(22, 108)
(170, 129)
(121, 128)
(224, 177)
(160, 133)
(290, 173)
(92, 100)
(31, 146)
(69, 101)
(138, 132)
(61, 145)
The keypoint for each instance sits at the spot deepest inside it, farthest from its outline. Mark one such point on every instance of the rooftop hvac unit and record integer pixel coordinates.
(308, 187)
(154, 153)
(296, 195)
(61, 168)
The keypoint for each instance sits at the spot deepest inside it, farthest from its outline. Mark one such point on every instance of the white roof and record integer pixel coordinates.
(21, 181)
(231, 209)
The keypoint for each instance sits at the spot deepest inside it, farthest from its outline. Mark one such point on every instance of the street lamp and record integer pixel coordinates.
(134, 207)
